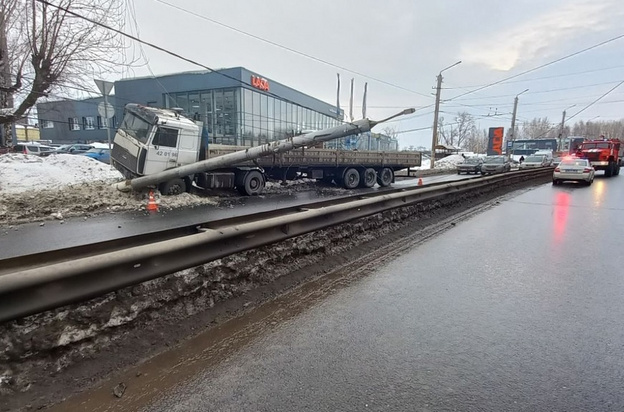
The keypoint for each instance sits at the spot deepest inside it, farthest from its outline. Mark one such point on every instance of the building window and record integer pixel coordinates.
(48, 124)
(73, 123)
(87, 123)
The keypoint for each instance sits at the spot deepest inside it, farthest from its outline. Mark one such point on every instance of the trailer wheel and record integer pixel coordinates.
(253, 184)
(173, 187)
(616, 170)
(350, 179)
(385, 177)
(368, 177)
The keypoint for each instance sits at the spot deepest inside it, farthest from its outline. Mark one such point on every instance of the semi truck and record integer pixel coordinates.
(161, 148)
(603, 154)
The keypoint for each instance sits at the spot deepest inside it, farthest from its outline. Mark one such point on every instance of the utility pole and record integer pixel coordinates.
(6, 97)
(434, 137)
(560, 143)
(513, 127)
(513, 123)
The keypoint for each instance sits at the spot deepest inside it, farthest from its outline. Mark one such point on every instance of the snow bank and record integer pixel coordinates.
(20, 173)
(447, 163)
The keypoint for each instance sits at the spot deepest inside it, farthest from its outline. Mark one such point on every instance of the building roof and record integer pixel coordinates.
(447, 147)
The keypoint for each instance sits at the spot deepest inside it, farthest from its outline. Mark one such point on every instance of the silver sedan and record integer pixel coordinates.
(495, 164)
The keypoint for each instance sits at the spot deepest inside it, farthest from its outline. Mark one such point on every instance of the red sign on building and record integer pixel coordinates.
(260, 83)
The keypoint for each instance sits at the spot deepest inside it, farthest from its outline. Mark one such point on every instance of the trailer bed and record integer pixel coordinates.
(313, 158)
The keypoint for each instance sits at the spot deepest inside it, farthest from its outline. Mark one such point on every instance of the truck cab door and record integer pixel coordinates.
(162, 153)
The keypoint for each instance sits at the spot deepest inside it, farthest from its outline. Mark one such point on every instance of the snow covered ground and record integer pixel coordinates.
(21, 173)
(61, 186)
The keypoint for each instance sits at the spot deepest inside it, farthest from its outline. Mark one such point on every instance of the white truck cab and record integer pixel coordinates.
(151, 140)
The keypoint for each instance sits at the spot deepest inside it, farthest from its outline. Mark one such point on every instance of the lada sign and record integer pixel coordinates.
(260, 83)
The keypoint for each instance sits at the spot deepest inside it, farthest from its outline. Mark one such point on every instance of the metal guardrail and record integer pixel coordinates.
(33, 288)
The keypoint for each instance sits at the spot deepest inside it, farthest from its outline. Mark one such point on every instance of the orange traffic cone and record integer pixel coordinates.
(151, 203)
(420, 183)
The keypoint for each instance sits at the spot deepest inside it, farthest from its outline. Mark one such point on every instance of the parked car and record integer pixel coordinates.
(547, 153)
(574, 169)
(495, 164)
(103, 155)
(73, 148)
(32, 149)
(470, 165)
(534, 161)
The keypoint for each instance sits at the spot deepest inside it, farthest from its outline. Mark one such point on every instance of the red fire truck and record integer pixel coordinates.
(603, 154)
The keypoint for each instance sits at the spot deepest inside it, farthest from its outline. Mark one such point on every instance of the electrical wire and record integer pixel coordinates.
(171, 53)
(542, 78)
(291, 49)
(595, 101)
(540, 66)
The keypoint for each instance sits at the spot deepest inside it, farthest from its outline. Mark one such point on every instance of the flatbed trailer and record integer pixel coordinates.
(329, 165)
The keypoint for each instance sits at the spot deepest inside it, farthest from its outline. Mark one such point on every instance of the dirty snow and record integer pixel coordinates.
(63, 186)
(447, 163)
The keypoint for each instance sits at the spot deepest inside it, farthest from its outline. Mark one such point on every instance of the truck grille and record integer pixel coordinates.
(591, 156)
(123, 157)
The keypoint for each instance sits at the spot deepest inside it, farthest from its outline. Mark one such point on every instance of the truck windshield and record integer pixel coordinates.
(135, 127)
(586, 146)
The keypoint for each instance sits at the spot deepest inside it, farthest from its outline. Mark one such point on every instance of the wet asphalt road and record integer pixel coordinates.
(517, 309)
(32, 238)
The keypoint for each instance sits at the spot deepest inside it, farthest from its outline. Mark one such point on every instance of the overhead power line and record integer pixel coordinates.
(169, 52)
(290, 49)
(539, 67)
(556, 76)
(595, 101)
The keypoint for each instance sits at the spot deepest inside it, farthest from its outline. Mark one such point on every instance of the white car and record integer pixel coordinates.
(534, 161)
(574, 169)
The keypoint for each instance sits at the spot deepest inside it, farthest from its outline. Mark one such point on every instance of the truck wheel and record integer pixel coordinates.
(368, 177)
(173, 187)
(350, 179)
(253, 184)
(385, 177)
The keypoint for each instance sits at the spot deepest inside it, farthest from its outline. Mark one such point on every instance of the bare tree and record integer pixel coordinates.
(391, 132)
(478, 141)
(457, 133)
(539, 128)
(613, 129)
(49, 48)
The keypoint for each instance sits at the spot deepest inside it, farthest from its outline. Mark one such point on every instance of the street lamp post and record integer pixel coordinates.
(513, 122)
(434, 138)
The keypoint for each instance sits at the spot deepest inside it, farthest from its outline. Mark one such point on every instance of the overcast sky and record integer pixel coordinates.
(399, 46)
